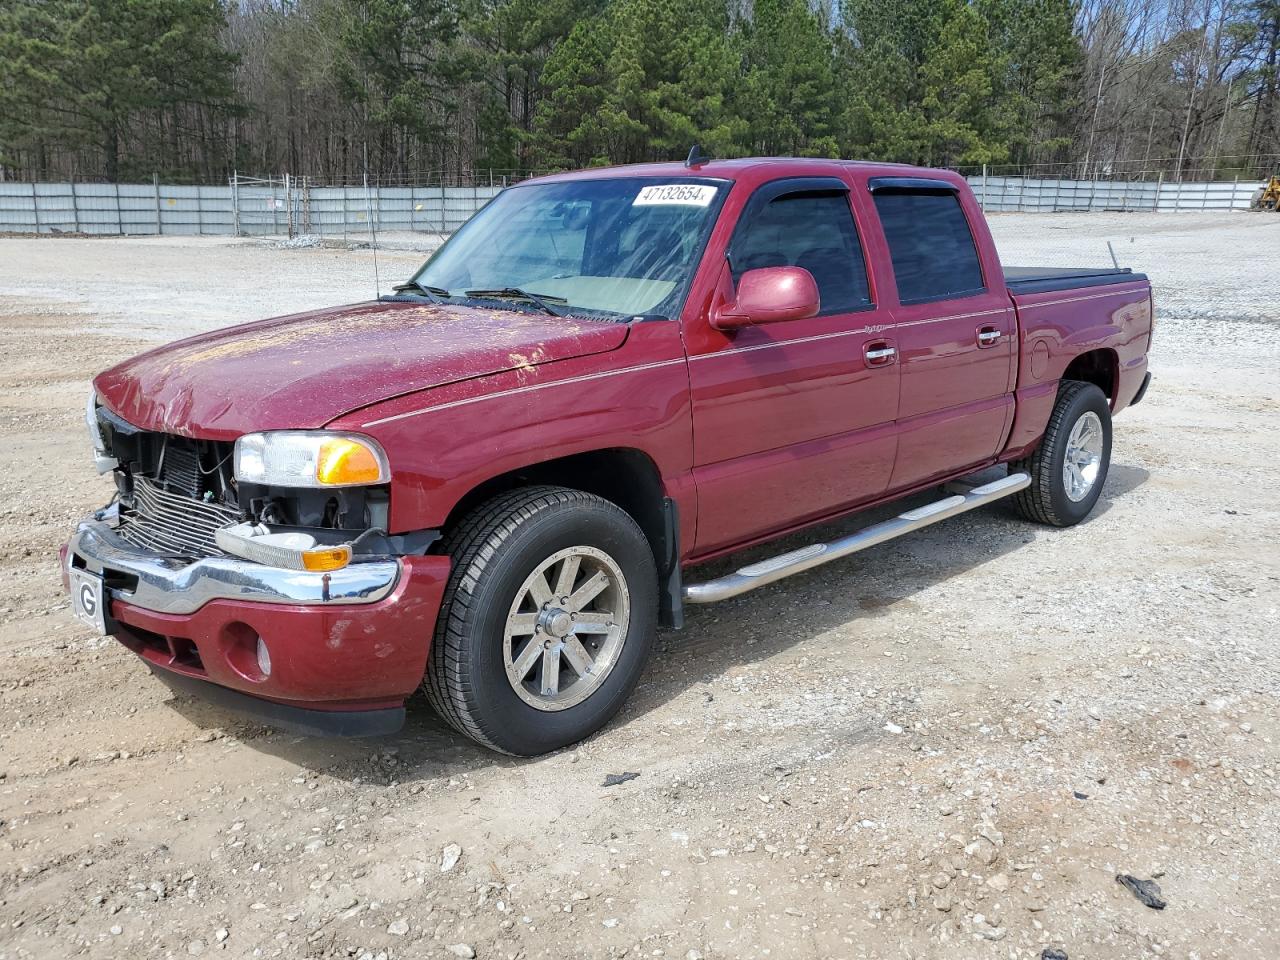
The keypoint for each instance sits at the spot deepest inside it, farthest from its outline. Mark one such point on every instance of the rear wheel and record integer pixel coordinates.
(547, 620)
(1069, 467)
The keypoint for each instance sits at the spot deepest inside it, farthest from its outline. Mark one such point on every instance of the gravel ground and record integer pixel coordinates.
(947, 747)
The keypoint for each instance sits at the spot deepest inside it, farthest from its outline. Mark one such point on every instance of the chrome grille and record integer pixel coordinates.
(172, 524)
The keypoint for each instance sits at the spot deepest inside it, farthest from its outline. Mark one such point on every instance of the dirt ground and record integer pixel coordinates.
(946, 747)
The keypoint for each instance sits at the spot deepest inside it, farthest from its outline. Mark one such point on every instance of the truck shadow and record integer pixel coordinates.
(867, 586)
(717, 638)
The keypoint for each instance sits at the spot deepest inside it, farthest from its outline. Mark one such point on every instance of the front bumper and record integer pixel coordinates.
(351, 642)
(166, 585)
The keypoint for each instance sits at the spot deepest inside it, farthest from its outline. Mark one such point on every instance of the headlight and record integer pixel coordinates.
(103, 462)
(304, 458)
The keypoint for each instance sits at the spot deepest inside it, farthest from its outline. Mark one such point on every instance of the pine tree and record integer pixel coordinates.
(1262, 82)
(1040, 80)
(516, 38)
(643, 82)
(788, 80)
(77, 74)
(923, 81)
(400, 67)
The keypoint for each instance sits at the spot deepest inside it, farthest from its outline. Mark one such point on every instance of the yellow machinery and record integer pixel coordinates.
(1269, 197)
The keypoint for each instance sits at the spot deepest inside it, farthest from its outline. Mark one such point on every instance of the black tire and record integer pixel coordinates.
(494, 549)
(1046, 500)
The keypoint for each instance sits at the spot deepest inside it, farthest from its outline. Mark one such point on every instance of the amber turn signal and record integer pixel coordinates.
(345, 462)
(326, 558)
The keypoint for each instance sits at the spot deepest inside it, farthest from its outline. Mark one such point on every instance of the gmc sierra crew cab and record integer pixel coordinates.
(496, 483)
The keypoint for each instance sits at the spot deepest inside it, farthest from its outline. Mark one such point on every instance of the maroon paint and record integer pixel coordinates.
(329, 657)
(792, 416)
(304, 370)
(1059, 326)
(770, 295)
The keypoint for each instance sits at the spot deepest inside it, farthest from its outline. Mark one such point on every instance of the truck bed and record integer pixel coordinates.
(1045, 279)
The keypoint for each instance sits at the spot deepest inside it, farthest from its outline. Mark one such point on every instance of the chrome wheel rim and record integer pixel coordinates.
(1083, 460)
(566, 628)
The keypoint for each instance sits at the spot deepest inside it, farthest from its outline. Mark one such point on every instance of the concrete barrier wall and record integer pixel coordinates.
(1035, 195)
(258, 208)
(245, 209)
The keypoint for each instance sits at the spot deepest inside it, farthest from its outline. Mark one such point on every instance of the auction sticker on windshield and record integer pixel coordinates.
(683, 194)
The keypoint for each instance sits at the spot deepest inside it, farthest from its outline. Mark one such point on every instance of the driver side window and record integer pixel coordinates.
(810, 230)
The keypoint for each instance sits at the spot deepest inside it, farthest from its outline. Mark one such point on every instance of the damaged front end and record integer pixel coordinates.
(260, 499)
(259, 570)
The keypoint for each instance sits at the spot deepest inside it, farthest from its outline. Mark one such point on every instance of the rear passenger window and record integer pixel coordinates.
(810, 230)
(934, 257)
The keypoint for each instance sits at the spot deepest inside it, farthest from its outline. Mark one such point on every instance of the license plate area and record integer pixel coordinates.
(88, 599)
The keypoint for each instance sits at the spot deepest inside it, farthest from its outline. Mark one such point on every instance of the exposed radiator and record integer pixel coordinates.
(172, 524)
(180, 469)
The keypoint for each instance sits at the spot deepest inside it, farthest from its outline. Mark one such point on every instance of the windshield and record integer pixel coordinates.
(623, 246)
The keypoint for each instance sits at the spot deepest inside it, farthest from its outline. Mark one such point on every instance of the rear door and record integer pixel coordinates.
(793, 420)
(955, 329)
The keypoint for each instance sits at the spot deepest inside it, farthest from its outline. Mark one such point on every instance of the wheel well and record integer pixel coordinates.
(625, 477)
(622, 476)
(1099, 367)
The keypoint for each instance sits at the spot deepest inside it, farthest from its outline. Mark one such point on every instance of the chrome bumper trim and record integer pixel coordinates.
(168, 585)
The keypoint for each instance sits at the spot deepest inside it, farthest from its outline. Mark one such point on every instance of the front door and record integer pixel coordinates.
(793, 421)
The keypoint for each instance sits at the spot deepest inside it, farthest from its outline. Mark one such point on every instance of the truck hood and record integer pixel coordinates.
(305, 370)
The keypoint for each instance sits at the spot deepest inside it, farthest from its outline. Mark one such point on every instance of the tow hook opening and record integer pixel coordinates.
(246, 651)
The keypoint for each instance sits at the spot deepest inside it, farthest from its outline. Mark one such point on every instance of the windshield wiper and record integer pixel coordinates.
(542, 301)
(434, 294)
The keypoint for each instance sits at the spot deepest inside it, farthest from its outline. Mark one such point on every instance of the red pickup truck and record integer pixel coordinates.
(494, 483)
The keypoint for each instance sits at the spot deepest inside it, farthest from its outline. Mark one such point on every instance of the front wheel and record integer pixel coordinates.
(1069, 467)
(547, 619)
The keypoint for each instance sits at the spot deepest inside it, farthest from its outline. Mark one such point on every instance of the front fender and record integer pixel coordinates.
(444, 443)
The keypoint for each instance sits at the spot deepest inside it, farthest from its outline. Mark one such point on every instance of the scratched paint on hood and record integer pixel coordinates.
(303, 371)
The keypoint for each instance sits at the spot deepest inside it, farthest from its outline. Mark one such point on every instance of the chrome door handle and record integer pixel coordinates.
(988, 337)
(882, 353)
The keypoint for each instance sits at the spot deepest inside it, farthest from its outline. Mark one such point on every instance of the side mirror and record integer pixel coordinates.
(770, 295)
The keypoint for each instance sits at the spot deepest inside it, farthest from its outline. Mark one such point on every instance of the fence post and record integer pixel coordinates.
(235, 203)
(984, 188)
(1159, 189)
(155, 189)
(75, 205)
(35, 207)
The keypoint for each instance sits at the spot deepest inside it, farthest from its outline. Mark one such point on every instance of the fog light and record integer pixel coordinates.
(264, 658)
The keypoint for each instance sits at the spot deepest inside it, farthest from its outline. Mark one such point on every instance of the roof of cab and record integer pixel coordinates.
(733, 169)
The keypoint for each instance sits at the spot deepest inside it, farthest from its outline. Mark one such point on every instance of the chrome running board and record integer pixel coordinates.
(814, 555)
